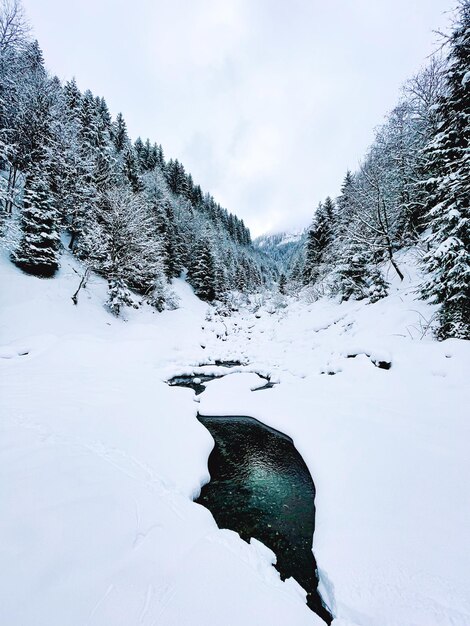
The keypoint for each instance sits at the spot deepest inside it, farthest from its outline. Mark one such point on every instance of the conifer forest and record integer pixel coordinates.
(234, 390)
(72, 177)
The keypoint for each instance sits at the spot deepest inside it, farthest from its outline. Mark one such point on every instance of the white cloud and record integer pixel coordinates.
(266, 102)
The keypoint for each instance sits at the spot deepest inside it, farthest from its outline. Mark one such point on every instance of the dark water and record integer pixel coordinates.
(190, 381)
(260, 487)
(227, 363)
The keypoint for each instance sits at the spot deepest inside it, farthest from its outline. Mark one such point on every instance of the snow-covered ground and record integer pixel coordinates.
(99, 460)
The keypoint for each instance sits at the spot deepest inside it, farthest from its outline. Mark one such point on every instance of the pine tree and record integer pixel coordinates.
(160, 202)
(174, 248)
(448, 157)
(377, 286)
(241, 283)
(221, 282)
(68, 165)
(130, 167)
(139, 150)
(282, 284)
(38, 249)
(73, 98)
(319, 239)
(160, 157)
(33, 113)
(89, 124)
(119, 132)
(203, 272)
(118, 295)
(422, 96)
(104, 114)
(351, 259)
(344, 208)
(145, 156)
(356, 275)
(349, 279)
(80, 172)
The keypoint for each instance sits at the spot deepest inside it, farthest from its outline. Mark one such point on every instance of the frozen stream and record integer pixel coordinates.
(260, 487)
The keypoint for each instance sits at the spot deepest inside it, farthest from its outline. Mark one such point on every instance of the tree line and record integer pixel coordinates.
(411, 189)
(72, 177)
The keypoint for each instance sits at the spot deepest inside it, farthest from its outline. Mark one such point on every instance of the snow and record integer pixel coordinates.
(279, 239)
(292, 237)
(100, 459)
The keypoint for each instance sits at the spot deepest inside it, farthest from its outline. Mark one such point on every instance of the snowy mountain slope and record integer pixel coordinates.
(278, 239)
(283, 247)
(100, 458)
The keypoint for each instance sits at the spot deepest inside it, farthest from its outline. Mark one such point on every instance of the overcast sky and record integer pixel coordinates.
(266, 102)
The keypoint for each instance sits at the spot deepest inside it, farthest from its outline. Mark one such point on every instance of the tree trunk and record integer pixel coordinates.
(392, 261)
(82, 284)
(10, 188)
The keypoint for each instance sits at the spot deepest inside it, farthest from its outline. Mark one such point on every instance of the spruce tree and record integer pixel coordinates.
(119, 133)
(447, 262)
(139, 149)
(89, 126)
(349, 279)
(73, 98)
(118, 295)
(377, 286)
(160, 157)
(203, 272)
(38, 250)
(104, 114)
(145, 156)
(130, 167)
(356, 274)
(80, 171)
(319, 239)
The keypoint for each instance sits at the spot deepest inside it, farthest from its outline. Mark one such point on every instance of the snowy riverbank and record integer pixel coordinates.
(100, 458)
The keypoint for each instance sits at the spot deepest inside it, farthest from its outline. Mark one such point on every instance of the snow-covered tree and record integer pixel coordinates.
(130, 167)
(120, 243)
(66, 141)
(14, 28)
(38, 249)
(376, 209)
(318, 240)
(349, 276)
(448, 160)
(202, 272)
(421, 96)
(119, 133)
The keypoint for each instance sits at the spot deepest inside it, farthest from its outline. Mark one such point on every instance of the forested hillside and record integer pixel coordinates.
(198, 429)
(285, 248)
(412, 189)
(71, 176)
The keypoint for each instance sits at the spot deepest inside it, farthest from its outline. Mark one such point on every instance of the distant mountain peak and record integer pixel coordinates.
(279, 239)
(283, 247)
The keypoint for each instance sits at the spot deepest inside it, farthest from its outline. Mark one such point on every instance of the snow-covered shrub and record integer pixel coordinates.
(118, 296)
(377, 285)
